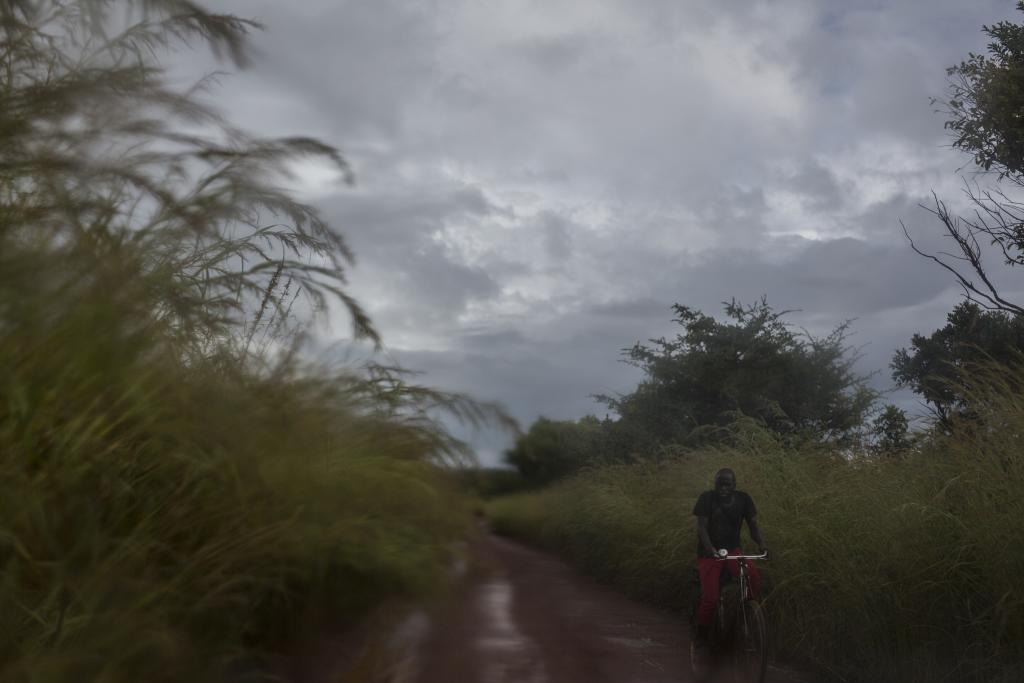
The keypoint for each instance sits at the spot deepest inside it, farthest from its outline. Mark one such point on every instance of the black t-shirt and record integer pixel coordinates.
(724, 518)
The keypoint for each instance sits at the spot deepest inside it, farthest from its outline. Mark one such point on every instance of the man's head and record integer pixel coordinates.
(725, 482)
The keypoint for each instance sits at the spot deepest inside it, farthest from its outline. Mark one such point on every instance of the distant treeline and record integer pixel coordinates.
(754, 367)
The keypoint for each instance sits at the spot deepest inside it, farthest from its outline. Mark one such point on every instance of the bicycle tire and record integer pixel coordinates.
(750, 654)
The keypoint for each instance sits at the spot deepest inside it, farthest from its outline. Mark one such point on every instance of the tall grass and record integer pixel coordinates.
(883, 569)
(179, 496)
(160, 521)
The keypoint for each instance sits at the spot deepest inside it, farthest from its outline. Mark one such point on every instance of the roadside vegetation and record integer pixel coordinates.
(183, 494)
(896, 552)
(883, 568)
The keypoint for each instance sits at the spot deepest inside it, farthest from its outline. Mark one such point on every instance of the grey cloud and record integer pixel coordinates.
(522, 380)
(736, 214)
(667, 20)
(393, 233)
(876, 65)
(356, 62)
(629, 308)
(494, 340)
(558, 378)
(395, 214)
(369, 65)
(845, 278)
(450, 283)
(828, 281)
(893, 296)
(461, 92)
(557, 240)
(557, 53)
(880, 222)
(537, 199)
(818, 184)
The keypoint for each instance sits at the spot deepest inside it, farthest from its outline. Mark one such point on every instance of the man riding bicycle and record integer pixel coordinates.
(720, 514)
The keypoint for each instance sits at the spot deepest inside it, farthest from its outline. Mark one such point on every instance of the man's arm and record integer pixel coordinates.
(702, 533)
(755, 532)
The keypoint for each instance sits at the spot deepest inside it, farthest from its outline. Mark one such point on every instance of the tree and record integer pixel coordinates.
(751, 365)
(890, 429)
(934, 365)
(986, 96)
(552, 448)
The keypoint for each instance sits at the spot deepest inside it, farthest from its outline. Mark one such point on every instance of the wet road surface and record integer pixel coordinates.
(517, 615)
(528, 618)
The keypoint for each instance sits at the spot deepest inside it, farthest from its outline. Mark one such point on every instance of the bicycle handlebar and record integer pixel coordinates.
(762, 556)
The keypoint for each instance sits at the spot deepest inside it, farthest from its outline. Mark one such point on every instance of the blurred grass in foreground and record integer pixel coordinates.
(159, 516)
(180, 495)
(883, 569)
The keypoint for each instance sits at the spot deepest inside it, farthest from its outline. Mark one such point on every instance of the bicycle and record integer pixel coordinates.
(739, 633)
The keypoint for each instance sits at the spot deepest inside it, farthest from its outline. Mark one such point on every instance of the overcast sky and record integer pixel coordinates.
(539, 181)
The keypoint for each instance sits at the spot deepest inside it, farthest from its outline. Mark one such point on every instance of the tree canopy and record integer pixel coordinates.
(554, 448)
(890, 429)
(934, 366)
(752, 364)
(986, 98)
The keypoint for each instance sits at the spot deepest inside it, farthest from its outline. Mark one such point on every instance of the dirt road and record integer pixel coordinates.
(526, 617)
(517, 615)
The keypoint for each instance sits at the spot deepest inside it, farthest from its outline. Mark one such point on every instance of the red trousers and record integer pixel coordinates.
(710, 575)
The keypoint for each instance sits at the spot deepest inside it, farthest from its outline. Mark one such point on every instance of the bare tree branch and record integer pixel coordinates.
(1002, 231)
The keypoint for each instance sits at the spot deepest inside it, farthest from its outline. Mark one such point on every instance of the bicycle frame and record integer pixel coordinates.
(727, 621)
(742, 561)
(743, 581)
(744, 595)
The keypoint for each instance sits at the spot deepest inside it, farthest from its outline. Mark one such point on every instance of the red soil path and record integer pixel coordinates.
(527, 617)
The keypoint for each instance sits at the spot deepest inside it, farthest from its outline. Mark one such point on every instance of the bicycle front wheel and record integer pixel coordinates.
(751, 648)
